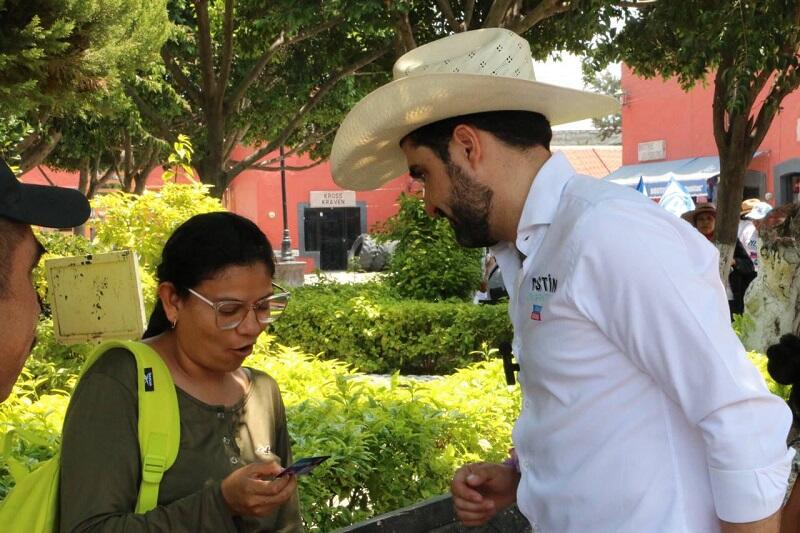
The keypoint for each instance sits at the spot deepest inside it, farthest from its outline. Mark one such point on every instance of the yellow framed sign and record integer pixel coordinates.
(95, 297)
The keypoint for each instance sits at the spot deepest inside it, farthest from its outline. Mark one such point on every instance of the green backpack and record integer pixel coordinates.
(32, 506)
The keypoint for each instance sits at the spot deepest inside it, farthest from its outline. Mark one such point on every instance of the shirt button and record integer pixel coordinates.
(221, 415)
(234, 460)
(226, 441)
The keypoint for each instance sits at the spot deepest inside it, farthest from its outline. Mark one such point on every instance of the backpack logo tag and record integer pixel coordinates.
(148, 380)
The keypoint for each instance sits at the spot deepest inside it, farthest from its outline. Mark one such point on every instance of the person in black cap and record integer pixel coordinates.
(20, 206)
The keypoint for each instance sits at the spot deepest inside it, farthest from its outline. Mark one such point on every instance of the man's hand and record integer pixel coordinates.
(480, 490)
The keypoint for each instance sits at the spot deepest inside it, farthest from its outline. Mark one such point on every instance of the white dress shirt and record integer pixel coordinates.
(641, 411)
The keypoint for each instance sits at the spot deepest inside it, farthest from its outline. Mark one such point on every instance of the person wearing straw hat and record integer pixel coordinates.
(752, 209)
(640, 409)
(20, 206)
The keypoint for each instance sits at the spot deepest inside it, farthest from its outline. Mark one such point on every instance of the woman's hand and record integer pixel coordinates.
(247, 494)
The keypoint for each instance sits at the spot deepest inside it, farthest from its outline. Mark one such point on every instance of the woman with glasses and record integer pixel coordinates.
(215, 297)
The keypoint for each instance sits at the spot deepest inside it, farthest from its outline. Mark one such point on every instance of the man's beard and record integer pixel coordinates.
(470, 204)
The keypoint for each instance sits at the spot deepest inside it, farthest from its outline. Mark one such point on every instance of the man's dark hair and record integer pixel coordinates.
(518, 129)
(202, 247)
(11, 234)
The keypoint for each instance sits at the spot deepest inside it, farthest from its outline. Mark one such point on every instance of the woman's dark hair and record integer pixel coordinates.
(518, 129)
(203, 246)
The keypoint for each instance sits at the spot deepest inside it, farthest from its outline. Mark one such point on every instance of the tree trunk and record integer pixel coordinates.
(772, 302)
(729, 201)
(35, 148)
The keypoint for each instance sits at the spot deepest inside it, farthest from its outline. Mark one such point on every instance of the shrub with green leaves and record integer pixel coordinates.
(392, 442)
(376, 332)
(428, 263)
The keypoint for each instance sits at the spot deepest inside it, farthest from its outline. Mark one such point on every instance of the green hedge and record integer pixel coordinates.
(383, 335)
(392, 444)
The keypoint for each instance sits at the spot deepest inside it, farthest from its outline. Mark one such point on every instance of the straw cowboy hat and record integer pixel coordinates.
(748, 206)
(469, 72)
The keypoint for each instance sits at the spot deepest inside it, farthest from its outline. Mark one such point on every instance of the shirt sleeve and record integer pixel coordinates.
(100, 466)
(652, 287)
(288, 519)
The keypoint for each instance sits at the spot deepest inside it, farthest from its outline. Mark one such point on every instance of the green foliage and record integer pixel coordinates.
(606, 83)
(428, 263)
(57, 55)
(760, 361)
(370, 328)
(144, 222)
(393, 442)
(180, 160)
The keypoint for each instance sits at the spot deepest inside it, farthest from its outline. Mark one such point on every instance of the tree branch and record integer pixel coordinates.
(227, 45)
(297, 149)
(447, 11)
(469, 10)
(35, 153)
(234, 139)
(292, 168)
(497, 13)
(204, 47)
(405, 33)
(636, 4)
(239, 91)
(180, 78)
(312, 101)
(542, 11)
(150, 113)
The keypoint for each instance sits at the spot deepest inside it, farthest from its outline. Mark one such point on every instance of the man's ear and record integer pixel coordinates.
(465, 145)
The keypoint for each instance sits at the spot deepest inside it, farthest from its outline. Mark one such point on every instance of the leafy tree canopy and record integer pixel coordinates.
(58, 55)
(286, 72)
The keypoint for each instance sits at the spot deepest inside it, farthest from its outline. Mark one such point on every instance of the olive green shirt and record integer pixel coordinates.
(100, 463)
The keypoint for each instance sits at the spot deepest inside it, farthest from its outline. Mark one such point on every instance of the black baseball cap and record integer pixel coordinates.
(40, 205)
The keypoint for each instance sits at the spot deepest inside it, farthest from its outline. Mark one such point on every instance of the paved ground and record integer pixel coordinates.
(343, 276)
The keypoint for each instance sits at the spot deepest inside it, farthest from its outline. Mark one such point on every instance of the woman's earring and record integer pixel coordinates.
(172, 323)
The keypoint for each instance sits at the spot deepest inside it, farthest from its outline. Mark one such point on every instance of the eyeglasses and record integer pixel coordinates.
(230, 313)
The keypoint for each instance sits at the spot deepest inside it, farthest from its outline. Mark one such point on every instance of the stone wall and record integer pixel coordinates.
(436, 516)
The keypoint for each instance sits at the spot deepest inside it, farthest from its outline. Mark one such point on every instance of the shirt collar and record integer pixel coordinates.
(545, 192)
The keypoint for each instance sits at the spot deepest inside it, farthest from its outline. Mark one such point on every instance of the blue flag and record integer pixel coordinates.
(642, 188)
(676, 199)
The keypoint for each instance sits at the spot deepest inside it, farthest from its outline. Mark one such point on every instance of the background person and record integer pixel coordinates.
(743, 271)
(641, 411)
(752, 210)
(215, 298)
(20, 206)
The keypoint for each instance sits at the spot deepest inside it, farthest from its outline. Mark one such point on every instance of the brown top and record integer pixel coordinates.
(100, 464)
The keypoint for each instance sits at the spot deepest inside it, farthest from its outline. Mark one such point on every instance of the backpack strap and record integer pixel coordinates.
(159, 417)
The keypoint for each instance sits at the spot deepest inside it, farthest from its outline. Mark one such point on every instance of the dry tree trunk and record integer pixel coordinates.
(772, 302)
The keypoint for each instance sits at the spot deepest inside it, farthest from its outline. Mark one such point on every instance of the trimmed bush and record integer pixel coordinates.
(428, 263)
(377, 333)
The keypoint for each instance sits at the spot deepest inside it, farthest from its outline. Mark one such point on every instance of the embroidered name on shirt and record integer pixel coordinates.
(544, 283)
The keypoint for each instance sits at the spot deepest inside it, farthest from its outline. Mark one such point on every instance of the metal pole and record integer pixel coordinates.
(286, 243)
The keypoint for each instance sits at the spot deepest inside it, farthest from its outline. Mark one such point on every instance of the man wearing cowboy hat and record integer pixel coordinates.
(640, 409)
(21, 205)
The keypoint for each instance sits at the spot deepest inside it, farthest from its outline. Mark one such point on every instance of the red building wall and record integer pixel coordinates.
(655, 109)
(256, 195)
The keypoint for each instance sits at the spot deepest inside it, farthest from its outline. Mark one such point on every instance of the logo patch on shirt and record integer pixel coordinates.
(149, 386)
(537, 301)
